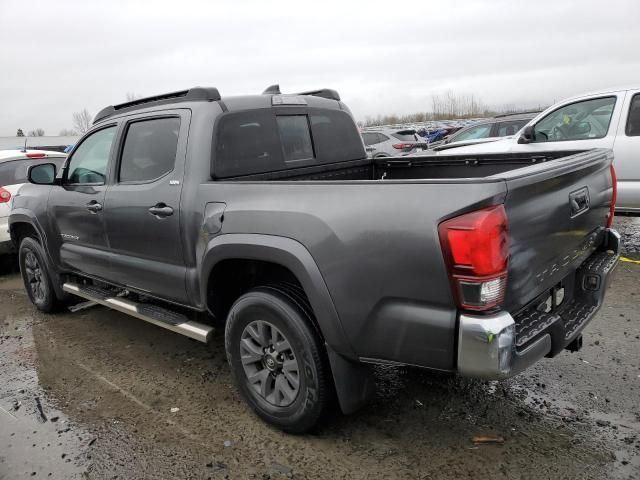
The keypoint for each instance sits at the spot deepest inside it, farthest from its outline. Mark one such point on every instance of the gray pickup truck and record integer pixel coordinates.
(262, 217)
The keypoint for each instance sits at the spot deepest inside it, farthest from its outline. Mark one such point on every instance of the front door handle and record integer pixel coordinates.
(94, 207)
(161, 210)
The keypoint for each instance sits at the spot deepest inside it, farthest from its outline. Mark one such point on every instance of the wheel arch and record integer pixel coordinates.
(23, 223)
(288, 255)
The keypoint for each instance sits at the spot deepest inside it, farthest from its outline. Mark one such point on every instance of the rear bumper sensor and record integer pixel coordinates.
(176, 322)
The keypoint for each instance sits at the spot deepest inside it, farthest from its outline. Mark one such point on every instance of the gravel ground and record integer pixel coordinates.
(90, 395)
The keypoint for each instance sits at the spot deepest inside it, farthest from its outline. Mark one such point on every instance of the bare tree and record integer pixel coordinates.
(131, 96)
(38, 132)
(20, 133)
(67, 132)
(82, 121)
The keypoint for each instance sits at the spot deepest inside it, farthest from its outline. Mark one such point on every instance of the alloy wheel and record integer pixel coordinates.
(269, 363)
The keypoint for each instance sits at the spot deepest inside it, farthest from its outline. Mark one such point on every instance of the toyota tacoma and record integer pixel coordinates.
(262, 217)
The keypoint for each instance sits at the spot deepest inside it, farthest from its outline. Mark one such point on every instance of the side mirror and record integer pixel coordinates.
(43, 174)
(528, 135)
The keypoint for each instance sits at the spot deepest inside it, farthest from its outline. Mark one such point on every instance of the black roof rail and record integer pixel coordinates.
(323, 92)
(196, 94)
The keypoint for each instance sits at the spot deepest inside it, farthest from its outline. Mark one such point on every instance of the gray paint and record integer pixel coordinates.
(366, 251)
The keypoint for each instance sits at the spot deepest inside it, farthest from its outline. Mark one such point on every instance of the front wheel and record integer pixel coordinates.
(36, 277)
(277, 359)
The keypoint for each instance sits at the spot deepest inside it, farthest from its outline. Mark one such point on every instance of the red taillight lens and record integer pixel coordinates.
(614, 197)
(476, 248)
(36, 155)
(402, 146)
(5, 195)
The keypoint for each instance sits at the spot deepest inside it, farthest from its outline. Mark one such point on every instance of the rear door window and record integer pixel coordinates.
(633, 121)
(149, 150)
(505, 129)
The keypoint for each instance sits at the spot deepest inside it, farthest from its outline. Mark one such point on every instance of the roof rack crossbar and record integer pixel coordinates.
(272, 90)
(196, 94)
(323, 92)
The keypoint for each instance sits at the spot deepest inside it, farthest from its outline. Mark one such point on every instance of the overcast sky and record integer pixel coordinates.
(57, 57)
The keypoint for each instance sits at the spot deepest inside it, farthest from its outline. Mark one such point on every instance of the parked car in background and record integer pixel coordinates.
(382, 142)
(14, 165)
(604, 119)
(436, 135)
(488, 130)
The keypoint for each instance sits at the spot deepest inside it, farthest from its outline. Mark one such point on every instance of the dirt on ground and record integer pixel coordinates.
(99, 395)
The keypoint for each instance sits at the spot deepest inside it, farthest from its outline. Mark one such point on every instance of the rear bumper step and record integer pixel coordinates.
(176, 322)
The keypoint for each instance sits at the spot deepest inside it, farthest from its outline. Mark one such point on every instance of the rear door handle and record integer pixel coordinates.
(161, 210)
(94, 207)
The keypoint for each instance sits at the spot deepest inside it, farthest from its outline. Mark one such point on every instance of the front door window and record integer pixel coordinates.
(585, 120)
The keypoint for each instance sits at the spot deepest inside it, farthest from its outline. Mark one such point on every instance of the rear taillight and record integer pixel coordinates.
(402, 146)
(5, 195)
(476, 249)
(614, 197)
(36, 155)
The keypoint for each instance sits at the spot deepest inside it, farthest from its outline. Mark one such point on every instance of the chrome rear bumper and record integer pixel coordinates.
(487, 343)
(486, 347)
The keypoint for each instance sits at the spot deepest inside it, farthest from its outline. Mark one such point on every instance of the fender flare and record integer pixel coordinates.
(292, 255)
(21, 215)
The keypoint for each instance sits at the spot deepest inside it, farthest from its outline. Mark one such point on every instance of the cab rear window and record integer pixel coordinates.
(262, 141)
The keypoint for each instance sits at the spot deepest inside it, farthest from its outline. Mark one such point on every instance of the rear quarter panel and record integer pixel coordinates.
(377, 248)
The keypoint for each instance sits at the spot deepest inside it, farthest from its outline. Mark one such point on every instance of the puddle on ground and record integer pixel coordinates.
(36, 439)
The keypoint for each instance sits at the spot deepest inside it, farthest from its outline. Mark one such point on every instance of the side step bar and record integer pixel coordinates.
(176, 322)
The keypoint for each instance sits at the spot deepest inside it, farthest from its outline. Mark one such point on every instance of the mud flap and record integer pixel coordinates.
(354, 382)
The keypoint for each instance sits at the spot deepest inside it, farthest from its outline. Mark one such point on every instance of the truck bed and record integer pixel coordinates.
(412, 168)
(372, 227)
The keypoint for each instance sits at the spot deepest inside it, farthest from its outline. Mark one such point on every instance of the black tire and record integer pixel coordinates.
(36, 277)
(268, 305)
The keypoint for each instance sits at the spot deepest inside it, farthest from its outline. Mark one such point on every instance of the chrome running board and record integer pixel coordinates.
(162, 317)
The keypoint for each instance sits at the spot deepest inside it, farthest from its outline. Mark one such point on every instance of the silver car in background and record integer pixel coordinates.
(390, 142)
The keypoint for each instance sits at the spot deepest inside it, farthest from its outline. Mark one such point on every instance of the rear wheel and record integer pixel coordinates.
(36, 277)
(277, 359)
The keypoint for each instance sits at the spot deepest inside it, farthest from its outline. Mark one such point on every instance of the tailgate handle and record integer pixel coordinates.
(579, 201)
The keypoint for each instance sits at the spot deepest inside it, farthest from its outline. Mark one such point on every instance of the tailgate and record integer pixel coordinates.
(557, 212)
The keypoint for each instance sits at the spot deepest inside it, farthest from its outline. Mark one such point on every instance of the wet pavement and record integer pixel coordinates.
(90, 395)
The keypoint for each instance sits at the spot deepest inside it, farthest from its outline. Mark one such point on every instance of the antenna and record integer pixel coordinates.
(25, 144)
